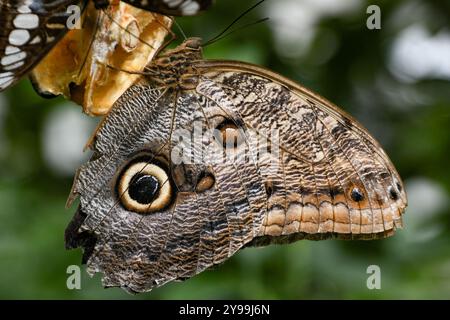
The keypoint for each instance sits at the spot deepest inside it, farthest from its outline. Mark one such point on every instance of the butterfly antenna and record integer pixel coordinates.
(181, 29)
(237, 29)
(234, 22)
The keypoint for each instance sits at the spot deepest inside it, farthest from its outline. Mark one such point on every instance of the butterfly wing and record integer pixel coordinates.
(201, 227)
(29, 30)
(172, 7)
(333, 178)
(296, 168)
(78, 67)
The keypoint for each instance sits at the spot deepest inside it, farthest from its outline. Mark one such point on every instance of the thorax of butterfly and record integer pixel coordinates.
(175, 69)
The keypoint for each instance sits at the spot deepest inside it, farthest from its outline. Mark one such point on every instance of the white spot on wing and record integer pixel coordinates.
(35, 40)
(13, 58)
(24, 6)
(24, 9)
(173, 3)
(14, 66)
(6, 80)
(189, 8)
(11, 50)
(18, 37)
(26, 21)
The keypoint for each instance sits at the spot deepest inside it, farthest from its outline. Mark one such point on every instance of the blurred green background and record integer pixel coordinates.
(395, 80)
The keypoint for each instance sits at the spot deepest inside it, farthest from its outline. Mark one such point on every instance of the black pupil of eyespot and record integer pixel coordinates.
(357, 195)
(143, 188)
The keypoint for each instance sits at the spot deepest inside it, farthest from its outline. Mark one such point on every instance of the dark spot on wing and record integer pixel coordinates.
(348, 123)
(356, 195)
(334, 191)
(393, 194)
(269, 188)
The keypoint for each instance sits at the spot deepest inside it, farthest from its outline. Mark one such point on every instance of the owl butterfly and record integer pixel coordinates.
(30, 29)
(202, 158)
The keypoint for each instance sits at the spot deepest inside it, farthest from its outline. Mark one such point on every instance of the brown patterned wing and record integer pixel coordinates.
(203, 215)
(332, 177)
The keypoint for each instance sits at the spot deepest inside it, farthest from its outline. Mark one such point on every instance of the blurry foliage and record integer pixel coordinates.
(354, 75)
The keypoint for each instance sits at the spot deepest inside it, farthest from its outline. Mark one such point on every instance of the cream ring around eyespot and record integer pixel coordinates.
(164, 193)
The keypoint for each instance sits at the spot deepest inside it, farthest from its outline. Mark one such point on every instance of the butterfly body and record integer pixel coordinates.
(233, 155)
(31, 28)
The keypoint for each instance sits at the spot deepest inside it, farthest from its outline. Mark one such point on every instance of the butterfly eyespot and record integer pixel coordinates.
(356, 195)
(144, 187)
(229, 135)
(205, 182)
(393, 194)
